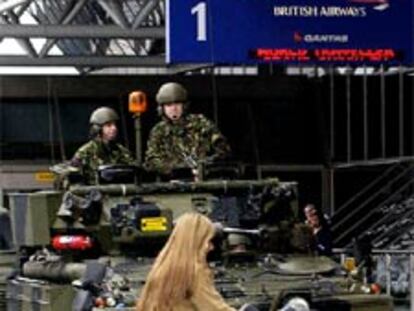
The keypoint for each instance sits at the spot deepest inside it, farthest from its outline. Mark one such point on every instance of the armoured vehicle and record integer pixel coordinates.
(90, 247)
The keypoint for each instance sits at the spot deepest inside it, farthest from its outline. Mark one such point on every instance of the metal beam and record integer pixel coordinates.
(115, 12)
(23, 42)
(144, 12)
(66, 19)
(11, 4)
(92, 61)
(23, 8)
(79, 31)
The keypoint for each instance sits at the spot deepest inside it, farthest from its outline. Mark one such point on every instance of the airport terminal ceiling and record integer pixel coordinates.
(86, 34)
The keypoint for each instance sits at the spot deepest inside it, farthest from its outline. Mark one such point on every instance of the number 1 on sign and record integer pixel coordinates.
(200, 10)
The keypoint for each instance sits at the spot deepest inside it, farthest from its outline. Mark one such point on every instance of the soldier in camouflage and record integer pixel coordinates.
(102, 148)
(180, 139)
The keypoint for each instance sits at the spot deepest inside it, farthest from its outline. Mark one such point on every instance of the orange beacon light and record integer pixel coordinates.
(137, 102)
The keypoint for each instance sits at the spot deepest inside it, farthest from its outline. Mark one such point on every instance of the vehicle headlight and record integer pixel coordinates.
(296, 304)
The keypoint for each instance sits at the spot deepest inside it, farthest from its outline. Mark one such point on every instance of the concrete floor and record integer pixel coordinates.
(402, 307)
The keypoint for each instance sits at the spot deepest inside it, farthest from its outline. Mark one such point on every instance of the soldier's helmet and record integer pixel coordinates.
(171, 92)
(103, 115)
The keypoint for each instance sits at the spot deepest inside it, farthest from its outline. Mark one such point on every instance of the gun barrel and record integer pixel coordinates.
(242, 231)
(53, 271)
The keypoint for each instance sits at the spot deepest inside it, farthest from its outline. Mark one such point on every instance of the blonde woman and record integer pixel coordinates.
(180, 278)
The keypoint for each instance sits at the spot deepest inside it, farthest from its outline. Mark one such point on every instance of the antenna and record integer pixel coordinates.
(59, 125)
(50, 117)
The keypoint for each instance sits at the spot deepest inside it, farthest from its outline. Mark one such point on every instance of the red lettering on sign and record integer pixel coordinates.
(325, 55)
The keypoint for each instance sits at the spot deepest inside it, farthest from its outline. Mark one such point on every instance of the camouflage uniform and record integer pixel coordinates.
(95, 153)
(192, 136)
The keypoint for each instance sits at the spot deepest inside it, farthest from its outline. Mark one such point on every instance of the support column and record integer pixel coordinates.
(328, 191)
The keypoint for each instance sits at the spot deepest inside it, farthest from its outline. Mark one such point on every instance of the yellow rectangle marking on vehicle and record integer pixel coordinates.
(44, 177)
(154, 224)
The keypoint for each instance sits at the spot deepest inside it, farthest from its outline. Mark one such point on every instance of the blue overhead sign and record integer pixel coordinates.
(290, 31)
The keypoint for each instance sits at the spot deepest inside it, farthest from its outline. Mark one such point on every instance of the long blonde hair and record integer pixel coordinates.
(172, 277)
